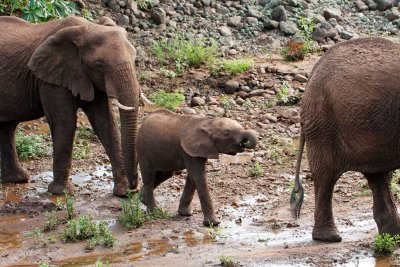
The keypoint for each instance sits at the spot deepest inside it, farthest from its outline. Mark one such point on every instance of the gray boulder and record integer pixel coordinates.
(382, 5)
(231, 86)
(279, 14)
(288, 27)
(234, 21)
(331, 12)
(158, 15)
(271, 24)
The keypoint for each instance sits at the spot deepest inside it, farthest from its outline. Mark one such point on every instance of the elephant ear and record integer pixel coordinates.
(106, 21)
(57, 61)
(196, 140)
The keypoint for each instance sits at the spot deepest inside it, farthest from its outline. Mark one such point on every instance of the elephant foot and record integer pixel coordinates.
(331, 235)
(19, 176)
(58, 188)
(121, 189)
(211, 221)
(187, 211)
(393, 228)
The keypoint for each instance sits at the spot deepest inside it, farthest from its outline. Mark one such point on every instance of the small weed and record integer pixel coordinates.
(79, 229)
(167, 100)
(91, 243)
(385, 243)
(31, 146)
(36, 234)
(157, 214)
(81, 149)
(132, 216)
(144, 76)
(51, 239)
(51, 221)
(168, 73)
(43, 265)
(145, 4)
(59, 203)
(225, 104)
(226, 261)
(282, 93)
(247, 104)
(233, 66)
(256, 170)
(70, 205)
(99, 263)
(106, 237)
(86, 14)
(85, 133)
(216, 231)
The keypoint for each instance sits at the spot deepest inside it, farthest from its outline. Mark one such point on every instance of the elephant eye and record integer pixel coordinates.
(227, 132)
(99, 65)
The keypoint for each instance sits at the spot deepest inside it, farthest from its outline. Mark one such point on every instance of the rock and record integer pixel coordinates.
(392, 14)
(231, 86)
(300, 78)
(122, 20)
(255, 13)
(252, 20)
(158, 15)
(233, 52)
(371, 4)
(360, 5)
(331, 12)
(113, 5)
(218, 110)
(189, 9)
(347, 35)
(271, 118)
(239, 101)
(223, 10)
(122, 4)
(245, 88)
(256, 92)
(187, 110)
(234, 21)
(268, 41)
(319, 34)
(206, 2)
(241, 94)
(197, 101)
(271, 24)
(333, 22)
(224, 31)
(279, 14)
(80, 4)
(289, 27)
(382, 5)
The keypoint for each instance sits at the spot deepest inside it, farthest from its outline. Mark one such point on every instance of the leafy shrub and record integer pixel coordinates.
(233, 66)
(144, 4)
(167, 100)
(51, 221)
(31, 146)
(132, 216)
(256, 170)
(183, 53)
(385, 243)
(226, 261)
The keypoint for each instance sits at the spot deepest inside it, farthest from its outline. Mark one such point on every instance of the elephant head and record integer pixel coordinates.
(85, 57)
(206, 138)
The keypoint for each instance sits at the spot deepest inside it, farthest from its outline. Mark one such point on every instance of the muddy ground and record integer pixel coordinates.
(256, 230)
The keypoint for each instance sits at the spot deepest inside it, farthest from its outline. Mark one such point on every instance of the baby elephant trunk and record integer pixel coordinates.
(248, 139)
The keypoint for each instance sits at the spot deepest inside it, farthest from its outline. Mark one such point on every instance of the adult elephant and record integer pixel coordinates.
(54, 68)
(351, 122)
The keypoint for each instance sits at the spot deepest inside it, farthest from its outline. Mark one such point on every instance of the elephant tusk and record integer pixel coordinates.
(119, 105)
(145, 101)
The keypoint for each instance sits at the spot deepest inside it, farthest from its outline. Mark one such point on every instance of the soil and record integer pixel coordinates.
(257, 228)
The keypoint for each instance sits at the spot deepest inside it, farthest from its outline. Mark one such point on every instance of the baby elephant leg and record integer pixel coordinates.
(147, 191)
(186, 198)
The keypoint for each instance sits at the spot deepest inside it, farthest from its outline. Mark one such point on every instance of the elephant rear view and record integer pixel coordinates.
(169, 142)
(51, 69)
(351, 122)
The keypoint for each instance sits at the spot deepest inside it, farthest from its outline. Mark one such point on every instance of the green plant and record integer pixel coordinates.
(132, 216)
(43, 265)
(51, 239)
(183, 52)
(144, 75)
(31, 146)
(144, 4)
(167, 100)
(70, 205)
(255, 170)
(80, 228)
(51, 221)
(226, 261)
(81, 149)
(168, 73)
(157, 214)
(34, 233)
(85, 133)
(234, 66)
(106, 237)
(98, 263)
(86, 14)
(385, 243)
(282, 94)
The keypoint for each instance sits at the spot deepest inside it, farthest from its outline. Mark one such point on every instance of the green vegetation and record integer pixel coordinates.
(255, 170)
(183, 53)
(51, 221)
(167, 100)
(233, 66)
(385, 244)
(282, 94)
(82, 144)
(226, 261)
(40, 10)
(36, 234)
(85, 133)
(295, 51)
(43, 265)
(31, 146)
(144, 4)
(168, 73)
(99, 263)
(70, 205)
(132, 215)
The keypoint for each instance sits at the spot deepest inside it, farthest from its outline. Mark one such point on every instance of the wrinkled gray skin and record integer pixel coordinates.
(351, 122)
(52, 69)
(169, 142)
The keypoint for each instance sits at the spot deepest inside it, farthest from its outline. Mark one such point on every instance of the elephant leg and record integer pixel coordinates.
(11, 170)
(103, 123)
(384, 208)
(147, 191)
(187, 197)
(324, 227)
(60, 109)
(161, 177)
(196, 170)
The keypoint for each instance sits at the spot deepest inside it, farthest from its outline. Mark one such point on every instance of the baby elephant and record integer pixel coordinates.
(169, 142)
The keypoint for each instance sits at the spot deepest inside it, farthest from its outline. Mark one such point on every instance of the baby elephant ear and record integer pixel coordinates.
(196, 140)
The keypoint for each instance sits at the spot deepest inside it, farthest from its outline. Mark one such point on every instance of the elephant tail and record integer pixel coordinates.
(297, 196)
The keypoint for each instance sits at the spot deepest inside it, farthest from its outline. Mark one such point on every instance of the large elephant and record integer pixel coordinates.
(351, 122)
(54, 68)
(169, 142)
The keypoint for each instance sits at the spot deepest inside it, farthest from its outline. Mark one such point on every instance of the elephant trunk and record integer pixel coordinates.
(247, 139)
(128, 97)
